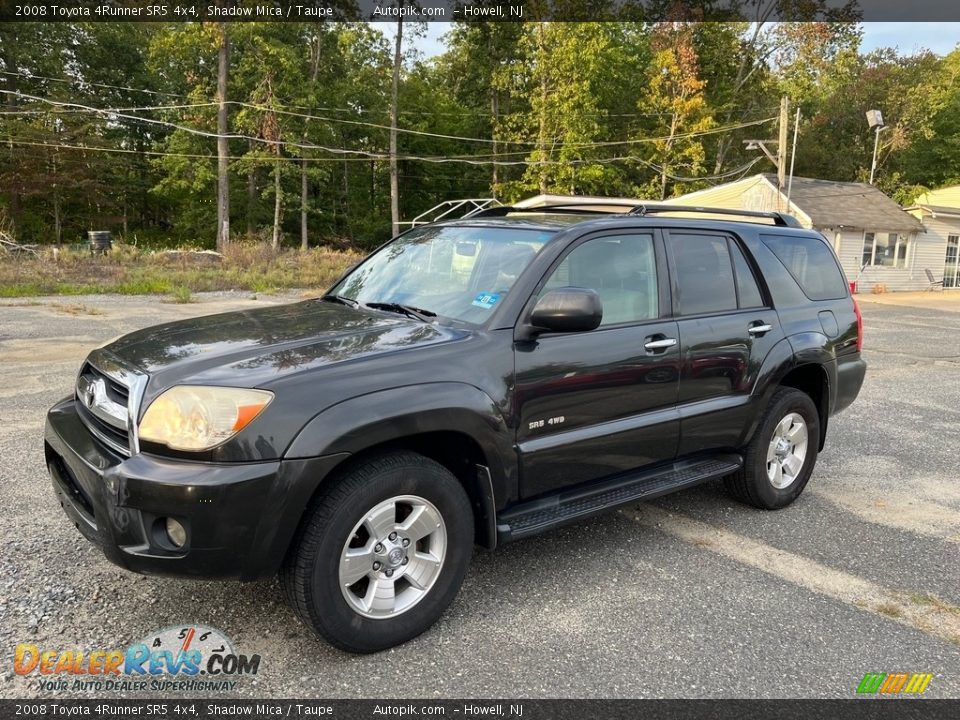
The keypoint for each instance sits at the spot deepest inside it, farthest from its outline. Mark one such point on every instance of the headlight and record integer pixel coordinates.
(194, 417)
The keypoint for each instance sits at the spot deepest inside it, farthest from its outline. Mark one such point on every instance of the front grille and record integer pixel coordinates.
(103, 403)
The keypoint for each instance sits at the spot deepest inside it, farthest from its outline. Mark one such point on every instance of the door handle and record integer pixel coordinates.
(660, 344)
(759, 329)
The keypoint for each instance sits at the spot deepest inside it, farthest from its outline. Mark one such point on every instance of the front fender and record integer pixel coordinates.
(364, 421)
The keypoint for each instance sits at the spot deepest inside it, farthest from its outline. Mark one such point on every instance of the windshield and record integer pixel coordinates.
(455, 272)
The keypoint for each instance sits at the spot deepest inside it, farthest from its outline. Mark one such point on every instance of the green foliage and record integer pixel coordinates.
(630, 108)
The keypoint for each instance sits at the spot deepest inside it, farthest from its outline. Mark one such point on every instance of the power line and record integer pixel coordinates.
(76, 107)
(473, 159)
(109, 110)
(352, 110)
(296, 160)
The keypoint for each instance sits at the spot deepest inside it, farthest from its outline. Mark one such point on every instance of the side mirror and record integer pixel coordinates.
(566, 309)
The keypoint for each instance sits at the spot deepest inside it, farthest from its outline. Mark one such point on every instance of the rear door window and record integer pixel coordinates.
(811, 263)
(705, 281)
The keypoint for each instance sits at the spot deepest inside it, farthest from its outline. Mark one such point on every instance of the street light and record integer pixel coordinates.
(875, 121)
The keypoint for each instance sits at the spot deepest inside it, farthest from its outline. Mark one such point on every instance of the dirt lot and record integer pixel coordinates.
(689, 596)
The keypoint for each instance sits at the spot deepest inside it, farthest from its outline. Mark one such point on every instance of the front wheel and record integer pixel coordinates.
(381, 553)
(781, 456)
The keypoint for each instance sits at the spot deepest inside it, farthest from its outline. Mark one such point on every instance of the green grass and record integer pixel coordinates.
(254, 268)
(181, 295)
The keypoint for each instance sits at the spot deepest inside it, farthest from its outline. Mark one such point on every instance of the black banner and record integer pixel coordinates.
(476, 10)
(874, 709)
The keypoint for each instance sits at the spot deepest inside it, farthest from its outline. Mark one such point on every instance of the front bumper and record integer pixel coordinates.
(240, 517)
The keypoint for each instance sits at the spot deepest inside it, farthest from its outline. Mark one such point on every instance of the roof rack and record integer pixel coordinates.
(465, 208)
(641, 209)
(572, 209)
(781, 219)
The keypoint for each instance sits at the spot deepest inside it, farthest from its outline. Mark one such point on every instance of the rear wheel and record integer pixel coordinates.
(381, 553)
(781, 456)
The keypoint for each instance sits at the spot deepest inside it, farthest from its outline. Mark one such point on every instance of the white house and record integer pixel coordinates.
(877, 241)
(939, 210)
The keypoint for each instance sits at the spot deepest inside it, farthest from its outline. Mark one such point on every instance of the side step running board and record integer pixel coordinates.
(536, 516)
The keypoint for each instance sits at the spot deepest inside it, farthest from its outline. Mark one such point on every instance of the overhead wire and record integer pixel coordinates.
(471, 159)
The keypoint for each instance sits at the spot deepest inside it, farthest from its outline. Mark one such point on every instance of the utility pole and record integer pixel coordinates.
(875, 121)
(780, 161)
(782, 144)
(793, 157)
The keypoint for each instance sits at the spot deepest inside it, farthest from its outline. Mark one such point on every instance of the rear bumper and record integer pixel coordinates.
(240, 517)
(851, 370)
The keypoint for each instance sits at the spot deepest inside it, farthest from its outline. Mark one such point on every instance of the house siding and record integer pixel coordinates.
(753, 193)
(938, 229)
(925, 251)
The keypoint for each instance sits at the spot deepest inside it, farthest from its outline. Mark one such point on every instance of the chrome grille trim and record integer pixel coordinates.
(101, 384)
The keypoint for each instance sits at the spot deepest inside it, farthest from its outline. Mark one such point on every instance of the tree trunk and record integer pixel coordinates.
(494, 113)
(542, 134)
(251, 196)
(394, 101)
(304, 237)
(7, 50)
(276, 203)
(223, 147)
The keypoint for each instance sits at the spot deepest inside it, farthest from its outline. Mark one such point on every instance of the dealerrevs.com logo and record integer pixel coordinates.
(177, 658)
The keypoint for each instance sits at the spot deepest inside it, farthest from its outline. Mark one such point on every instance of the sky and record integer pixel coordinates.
(907, 37)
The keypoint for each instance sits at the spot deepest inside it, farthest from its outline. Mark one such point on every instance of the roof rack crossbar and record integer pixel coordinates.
(781, 219)
(572, 208)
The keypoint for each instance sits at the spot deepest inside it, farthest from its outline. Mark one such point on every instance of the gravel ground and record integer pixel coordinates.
(689, 596)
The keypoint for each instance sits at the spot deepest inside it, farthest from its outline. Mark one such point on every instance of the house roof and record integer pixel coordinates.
(829, 203)
(936, 209)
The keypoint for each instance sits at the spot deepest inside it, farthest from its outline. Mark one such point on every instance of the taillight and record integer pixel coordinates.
(859, 315)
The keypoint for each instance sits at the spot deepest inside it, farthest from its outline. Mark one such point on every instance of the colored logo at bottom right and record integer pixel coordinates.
(899, 683)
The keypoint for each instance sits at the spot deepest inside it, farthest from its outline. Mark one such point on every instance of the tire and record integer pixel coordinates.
(757, 483)
(340, 537)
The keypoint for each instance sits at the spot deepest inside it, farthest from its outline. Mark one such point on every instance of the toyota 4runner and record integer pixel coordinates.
(474, 381)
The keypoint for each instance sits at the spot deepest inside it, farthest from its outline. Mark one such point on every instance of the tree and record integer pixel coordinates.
(394, 108)
(571, 74)
(674, 97)
(223, 145)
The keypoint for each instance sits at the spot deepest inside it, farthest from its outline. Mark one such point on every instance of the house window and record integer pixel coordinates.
(885, 250)
(951, 266)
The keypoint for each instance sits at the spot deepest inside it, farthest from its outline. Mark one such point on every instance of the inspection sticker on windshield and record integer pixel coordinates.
(486, 300)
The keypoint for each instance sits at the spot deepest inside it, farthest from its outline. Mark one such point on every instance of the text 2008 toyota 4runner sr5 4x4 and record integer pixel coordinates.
(472, 381)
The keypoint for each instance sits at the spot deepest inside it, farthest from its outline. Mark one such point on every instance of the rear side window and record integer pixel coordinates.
(705, 282)
(811, 264)
(747, 287)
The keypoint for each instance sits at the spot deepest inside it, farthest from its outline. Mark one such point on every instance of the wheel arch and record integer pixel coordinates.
(454, 424)
(813, 380)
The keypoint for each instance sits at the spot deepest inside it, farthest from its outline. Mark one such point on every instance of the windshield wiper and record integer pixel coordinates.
(342, 299)
(408, 310)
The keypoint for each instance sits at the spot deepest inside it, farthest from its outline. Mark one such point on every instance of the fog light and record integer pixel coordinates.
(176, 533)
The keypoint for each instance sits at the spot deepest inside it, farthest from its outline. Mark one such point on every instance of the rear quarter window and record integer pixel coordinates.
(811, 264)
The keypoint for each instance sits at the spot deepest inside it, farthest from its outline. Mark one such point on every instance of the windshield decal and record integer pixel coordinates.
(486, 300)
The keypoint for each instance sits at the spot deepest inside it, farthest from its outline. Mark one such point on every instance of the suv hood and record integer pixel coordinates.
(270, 342)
